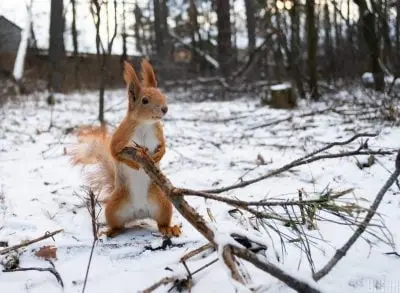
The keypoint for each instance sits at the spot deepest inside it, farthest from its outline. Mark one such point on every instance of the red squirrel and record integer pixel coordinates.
(131, 195)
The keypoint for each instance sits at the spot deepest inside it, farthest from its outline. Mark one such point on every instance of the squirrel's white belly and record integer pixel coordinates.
(137, 180)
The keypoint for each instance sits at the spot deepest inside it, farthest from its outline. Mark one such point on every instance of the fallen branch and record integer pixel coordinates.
(309, 158)
(51, 270)
(289, 118)
(29, 242)
(175, 195)
(264, 203)
(340, 253)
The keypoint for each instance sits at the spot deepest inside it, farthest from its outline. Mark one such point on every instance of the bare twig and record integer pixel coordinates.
(163, 281)
(88, 266)
(340, 253)
(29, 242)
(263, 203)
(51, 270)
(93, 216)
(196, 252)
(309, 158)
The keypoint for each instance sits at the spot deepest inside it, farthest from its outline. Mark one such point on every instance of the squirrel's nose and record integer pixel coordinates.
(164, 110)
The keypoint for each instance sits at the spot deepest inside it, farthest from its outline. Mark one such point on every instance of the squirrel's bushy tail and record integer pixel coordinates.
(93, 149)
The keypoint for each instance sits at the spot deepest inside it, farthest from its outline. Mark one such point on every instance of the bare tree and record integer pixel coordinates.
(123, 34)
(75, 42)
(137, 27)
(328, 43)
(251, 24)
(224, 35)
(295, 47)
(103, 53)
(18, 71)
(195, 35)
(56, 47)
(159, 27)
(398, 26)
(368, 25)
(312, 39)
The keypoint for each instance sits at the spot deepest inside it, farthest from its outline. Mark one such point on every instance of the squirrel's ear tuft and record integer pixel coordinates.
(131, 80)
(148, 75)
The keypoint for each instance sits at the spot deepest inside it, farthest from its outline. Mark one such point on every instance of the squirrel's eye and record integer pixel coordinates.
(145, 100)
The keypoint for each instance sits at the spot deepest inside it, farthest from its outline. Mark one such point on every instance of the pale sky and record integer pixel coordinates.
(15, 10)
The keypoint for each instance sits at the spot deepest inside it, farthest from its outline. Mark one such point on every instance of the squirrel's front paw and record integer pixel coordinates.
(172, 231)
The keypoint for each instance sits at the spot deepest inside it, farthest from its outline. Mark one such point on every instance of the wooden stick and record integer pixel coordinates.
(15, 247)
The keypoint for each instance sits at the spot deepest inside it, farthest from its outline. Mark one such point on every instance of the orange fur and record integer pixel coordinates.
(148, 75)
(92, 149)
(163, 217)
(146, 107)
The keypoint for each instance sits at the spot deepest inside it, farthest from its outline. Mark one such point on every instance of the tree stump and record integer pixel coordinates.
(282, 96)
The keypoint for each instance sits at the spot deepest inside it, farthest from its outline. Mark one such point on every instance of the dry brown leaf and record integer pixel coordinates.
(47, 252)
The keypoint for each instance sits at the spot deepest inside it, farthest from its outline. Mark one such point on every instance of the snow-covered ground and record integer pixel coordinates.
(206, 147)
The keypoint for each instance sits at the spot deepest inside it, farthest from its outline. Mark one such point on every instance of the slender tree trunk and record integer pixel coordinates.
(312, 39)
(233, 35)
(166, 38)
(74, 33)
(397, 44)
(136, 28)
(338, 29)
(158, 28)
(295, 48)
(56, 47)
(328, 44)
(195, 36)
(381, 10)
(124, 50)
(351, 47)
(251, 24)
(398, 27)
(224, 35)
(372, 41)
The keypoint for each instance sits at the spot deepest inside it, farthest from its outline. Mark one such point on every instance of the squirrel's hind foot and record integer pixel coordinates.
(171, 231)
(111, 232)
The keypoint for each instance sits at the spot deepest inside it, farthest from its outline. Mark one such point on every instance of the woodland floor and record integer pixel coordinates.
(209, 144)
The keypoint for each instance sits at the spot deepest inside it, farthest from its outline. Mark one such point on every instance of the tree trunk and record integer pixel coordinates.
(371, 39)
(195, 36)
(158, 28)
(328, 44)
(224, 36)
(381, 10)
(338, 30)
(56, 47)
(398, 28)
(136, 28)
(397, 44)
(124, 50)
(19, 63)
(74, 33)
(295, 48)
(312, 39)
(166, 39)
(251, 24)
(233, 59)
